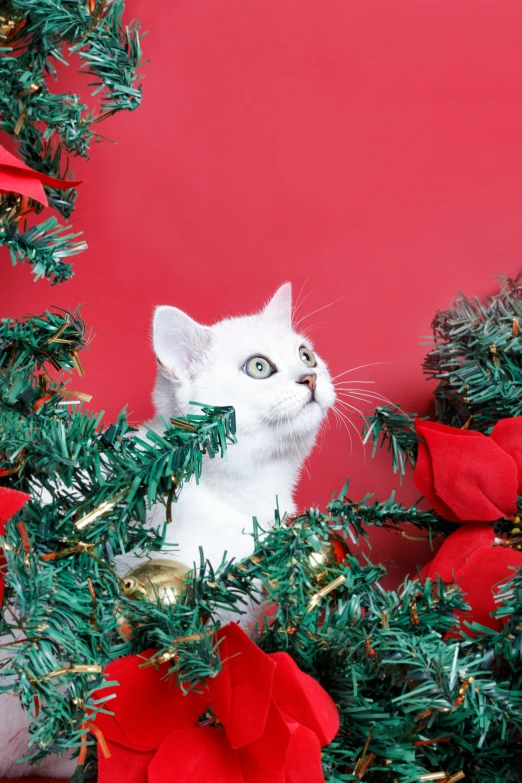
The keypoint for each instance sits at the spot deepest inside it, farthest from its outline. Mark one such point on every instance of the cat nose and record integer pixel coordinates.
(310, 380)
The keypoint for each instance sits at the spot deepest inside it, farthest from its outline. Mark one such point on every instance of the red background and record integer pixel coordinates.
(364, 149)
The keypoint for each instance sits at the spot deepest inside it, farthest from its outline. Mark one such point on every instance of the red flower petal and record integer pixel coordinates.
(458, 548)
(507, 433)
(200, 755)
(302, 699)
(253, 773)
(16, 176)
(265, 758)
(424, 481)
(11, 501)
(303, 763)
(124, 765)
(471, 474)
(478, 578)
(240, 695)
(147, 706)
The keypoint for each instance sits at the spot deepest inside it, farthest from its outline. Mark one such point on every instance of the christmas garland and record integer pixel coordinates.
(48, 127)
(341, 680)
(426, 679)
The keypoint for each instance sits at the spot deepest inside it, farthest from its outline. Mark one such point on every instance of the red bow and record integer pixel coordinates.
(268, 721)
(468, 476)
(16, 177)
(11, 501)
(469, 557)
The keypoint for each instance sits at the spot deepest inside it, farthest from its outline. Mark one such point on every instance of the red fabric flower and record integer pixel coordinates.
(16, 177)
(466, 475)
(11, 501)
(272, 720)
(468, 557)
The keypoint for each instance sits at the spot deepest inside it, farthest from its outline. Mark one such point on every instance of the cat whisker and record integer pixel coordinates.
(352, 380)
(298, 302)
(352, 407)
(342, 423)
(360, 367)
(318, 310)
(364, 394)
(349, 421)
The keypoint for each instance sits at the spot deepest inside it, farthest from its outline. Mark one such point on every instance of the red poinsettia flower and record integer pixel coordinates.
(11, 501)
(16, 177)
(466, 475)
(468, 557)
(267, 721)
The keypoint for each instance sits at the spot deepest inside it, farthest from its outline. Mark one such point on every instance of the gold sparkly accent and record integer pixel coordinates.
(414, 615)
(333, 585)
(20, 122)
(99, 511)
(515, 329)
(79, 668)
(433, 776)
(56, 336)
(184, 425)
(364, 760)
(77, 363)
(455, 778)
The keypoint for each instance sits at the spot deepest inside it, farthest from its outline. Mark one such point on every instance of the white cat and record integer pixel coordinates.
(281, 391)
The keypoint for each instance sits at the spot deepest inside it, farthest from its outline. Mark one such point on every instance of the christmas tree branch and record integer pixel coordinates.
(39, 34)
(477, 359)
(390, 426)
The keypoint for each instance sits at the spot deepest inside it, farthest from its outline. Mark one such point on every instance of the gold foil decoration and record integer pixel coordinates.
(99, 511)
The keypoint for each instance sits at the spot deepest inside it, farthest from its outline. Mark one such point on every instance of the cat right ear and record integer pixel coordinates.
(179, 341)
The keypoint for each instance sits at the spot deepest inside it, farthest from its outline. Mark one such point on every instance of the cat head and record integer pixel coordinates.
(279, 386)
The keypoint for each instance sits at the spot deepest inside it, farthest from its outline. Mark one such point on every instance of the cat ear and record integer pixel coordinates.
(279, 308)
(178, 340)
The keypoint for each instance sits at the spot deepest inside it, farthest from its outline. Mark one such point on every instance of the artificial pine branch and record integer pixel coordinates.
(35, 35)
(477, 359)
(389, 425)
(90, 488)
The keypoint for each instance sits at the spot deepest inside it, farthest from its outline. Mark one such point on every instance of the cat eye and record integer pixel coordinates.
(307, 357)
(258, 367)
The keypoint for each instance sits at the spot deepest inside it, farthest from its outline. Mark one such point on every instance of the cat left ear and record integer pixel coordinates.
(279, 308)
(179, 341)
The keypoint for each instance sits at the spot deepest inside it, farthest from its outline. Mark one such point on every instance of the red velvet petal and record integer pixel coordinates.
(458, 548)
(424, 481)
(478, 579)
(11, 501)
(303, 762)
(200, 755)
(302, 699)
(147, 706)
(253, 773)
(240, 695)
(19, 182)
(16, 176)
(507, 433)
(124, 765)
(472, 475)
(266, 756)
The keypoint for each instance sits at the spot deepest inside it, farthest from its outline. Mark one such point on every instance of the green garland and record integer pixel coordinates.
(36, 34)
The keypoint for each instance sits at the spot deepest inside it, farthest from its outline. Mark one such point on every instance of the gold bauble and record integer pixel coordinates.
(157, 580)
(330, 553)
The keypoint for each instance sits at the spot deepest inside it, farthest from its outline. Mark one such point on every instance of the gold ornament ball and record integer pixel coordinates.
(157, 580)
(330, 554)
